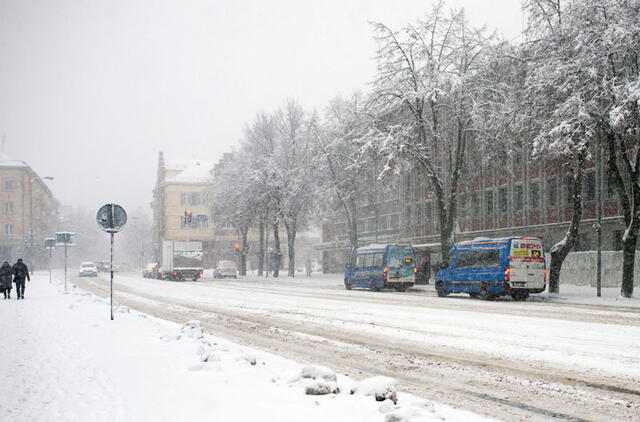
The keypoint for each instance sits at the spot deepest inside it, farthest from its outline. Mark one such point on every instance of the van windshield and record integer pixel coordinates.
(478, 258)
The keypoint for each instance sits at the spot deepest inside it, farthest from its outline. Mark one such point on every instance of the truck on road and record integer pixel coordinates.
(181, 260)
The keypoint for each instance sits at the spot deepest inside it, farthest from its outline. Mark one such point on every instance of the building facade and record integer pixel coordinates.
(497, 196)
(28, 213)
(180, 205)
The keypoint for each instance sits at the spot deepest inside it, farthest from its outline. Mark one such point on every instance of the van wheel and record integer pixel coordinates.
(485, 294)
(440, 290)
(520, 296)
(347, 285)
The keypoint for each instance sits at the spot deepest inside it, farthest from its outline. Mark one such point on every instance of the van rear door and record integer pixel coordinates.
(526, 261)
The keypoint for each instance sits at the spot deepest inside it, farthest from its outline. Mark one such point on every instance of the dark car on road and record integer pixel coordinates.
(225, 269)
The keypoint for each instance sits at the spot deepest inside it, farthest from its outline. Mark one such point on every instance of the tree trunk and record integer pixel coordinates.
(560, 250)
(291, 239)
(630, 201)
(629, 243)
(352, 220)
(260, 247)
(277, 254)
(244, 251)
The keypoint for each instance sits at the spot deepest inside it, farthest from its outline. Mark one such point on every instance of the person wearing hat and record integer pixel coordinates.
(20, 272)
(6, 276)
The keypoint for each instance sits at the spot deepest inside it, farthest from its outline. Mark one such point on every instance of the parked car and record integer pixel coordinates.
(225, 269)
(88, 269)
(151, 270)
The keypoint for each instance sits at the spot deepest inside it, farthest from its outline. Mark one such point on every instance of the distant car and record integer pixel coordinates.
(300, 269)
(151, 270)
(225, 269)
(103, 266)
(88, 269)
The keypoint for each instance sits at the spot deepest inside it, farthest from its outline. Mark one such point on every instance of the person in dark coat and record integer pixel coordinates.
(6, 276)
(20, 272)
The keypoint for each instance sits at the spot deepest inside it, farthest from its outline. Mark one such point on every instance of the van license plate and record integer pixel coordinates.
(519, 283)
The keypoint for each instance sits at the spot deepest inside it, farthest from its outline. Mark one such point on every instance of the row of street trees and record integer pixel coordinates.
(570, 86)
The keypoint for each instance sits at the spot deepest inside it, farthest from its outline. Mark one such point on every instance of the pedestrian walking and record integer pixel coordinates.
(20, 273)
(6, 276)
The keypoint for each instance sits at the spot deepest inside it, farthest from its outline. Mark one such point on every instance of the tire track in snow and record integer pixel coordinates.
(434, 374)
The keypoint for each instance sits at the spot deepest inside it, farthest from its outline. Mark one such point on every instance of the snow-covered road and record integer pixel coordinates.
(63, 360)
(532, 360)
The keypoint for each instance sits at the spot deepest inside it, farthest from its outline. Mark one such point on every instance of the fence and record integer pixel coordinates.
(579, 268)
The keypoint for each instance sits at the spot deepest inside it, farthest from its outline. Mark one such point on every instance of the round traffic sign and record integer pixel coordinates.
(111, 218)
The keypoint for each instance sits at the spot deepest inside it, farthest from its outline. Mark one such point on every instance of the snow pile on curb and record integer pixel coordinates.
(382, 388)
(317, 380)
(191, 329)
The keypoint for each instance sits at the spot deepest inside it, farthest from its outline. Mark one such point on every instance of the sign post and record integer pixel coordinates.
(50, 244)
(111, 218)
(65, 239)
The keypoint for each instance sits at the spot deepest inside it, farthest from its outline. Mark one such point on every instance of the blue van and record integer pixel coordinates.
(488, 268)
(378, 266)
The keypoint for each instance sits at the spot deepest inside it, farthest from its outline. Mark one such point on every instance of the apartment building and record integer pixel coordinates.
(498, 196)
(28, 213)
(181, 210)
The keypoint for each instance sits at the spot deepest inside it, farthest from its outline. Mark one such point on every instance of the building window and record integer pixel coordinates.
(427, 212)
(590, 186)
(8, 207)
(395, 221)
(518, 199)
(203, 221)
(476, 204)
(8, 185)
(569, 189)
(8, 228)
(611, 185)
(535, 195)
(489, 198)
(552, 191)
(191, 198)
(407, 216)
(502, 199)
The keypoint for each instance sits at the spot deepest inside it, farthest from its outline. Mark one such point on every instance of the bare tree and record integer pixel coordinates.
(339, 172)
(425, 102)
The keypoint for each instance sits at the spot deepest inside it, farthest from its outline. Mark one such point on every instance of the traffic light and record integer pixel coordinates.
(236, 247)
(188, 216)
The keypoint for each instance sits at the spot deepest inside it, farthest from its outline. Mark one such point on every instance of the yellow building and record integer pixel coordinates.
(28, 213)
(181, 209)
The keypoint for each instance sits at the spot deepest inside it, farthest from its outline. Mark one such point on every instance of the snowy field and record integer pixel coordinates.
(63, 359)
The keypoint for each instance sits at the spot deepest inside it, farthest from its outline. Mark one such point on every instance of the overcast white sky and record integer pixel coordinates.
(91, 90)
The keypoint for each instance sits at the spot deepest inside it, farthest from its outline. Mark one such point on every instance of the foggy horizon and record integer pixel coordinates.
(91, 92)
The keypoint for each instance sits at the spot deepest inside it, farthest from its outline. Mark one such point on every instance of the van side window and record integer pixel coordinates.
(479, 258)
(368, 260)
(378, 260)
(359, 262)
